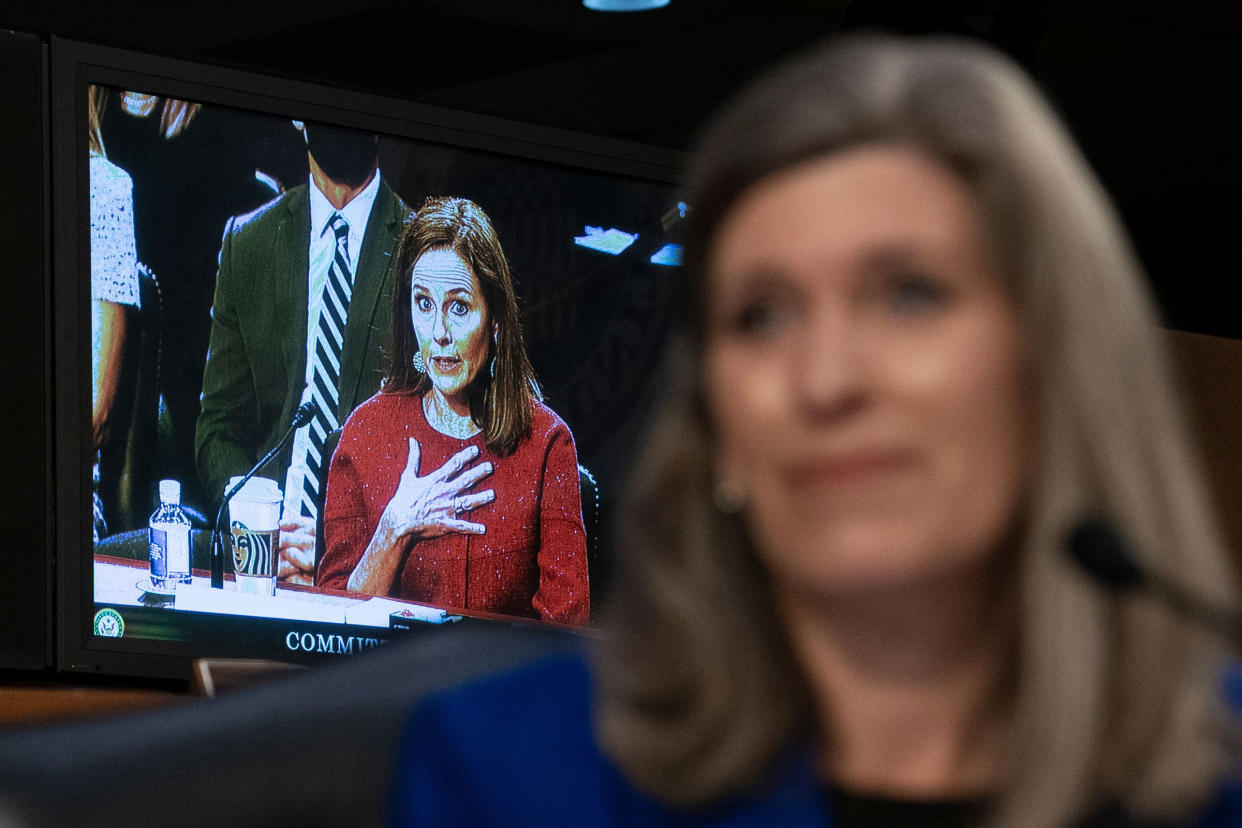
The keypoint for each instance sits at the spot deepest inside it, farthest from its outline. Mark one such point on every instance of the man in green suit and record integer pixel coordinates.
(274, 275)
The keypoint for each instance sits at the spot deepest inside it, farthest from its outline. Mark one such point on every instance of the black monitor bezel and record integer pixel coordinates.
(76, 65)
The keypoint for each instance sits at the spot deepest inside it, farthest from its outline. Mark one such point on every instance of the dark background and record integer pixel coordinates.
(1151, 88)
(25, 607)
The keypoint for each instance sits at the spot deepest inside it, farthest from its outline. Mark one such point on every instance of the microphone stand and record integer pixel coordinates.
(1194, 608)
(1104, 553)
(305, 413)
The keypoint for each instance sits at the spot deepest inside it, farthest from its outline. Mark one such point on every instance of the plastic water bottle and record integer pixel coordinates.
(169, 533)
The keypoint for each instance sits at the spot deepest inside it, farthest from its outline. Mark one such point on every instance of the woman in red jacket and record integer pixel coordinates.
(455, 485)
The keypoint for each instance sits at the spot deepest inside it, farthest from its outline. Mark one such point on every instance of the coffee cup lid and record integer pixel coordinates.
(261, 489)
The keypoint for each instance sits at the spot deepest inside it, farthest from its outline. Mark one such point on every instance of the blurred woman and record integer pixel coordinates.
(917, 351)
(455, 485)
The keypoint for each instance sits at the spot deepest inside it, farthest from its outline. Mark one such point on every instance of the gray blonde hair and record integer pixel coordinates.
(1115, 700)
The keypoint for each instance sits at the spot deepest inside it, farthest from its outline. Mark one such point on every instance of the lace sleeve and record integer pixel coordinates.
(114, 258)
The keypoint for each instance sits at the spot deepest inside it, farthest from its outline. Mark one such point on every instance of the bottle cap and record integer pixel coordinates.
(170, 492)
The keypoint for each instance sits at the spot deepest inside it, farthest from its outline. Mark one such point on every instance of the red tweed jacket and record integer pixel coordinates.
(532, 560)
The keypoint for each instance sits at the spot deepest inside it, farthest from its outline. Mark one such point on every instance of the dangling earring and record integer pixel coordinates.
(419, 365)
(491, 366)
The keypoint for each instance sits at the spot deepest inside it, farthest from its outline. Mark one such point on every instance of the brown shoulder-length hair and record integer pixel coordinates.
(96, 100)
(502, 397)
(1114, 699)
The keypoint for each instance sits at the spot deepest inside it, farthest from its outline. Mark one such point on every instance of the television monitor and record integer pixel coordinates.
(192, 280)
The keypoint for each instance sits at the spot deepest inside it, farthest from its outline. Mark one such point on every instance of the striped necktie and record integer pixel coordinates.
(326, 362)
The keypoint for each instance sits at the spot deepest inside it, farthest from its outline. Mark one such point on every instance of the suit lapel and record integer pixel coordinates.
(371, 276)
(291, 264)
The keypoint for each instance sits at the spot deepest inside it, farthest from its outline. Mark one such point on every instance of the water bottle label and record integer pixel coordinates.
(158, 551)
(177, 548)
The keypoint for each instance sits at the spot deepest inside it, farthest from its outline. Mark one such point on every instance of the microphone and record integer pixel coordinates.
(1103, 552)
(305, 413)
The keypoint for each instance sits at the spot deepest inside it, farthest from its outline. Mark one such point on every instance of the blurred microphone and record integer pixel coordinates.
(1105, 554)
(305, 413)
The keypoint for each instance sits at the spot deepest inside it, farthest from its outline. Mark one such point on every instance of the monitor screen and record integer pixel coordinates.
(354, 367)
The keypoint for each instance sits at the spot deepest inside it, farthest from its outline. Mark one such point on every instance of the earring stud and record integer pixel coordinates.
(728, 499)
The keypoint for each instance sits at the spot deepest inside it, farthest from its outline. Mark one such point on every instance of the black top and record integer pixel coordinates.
(854, 810)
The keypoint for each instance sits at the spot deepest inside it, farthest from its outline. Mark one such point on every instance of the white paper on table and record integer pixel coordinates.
(611, 241)
(375, 612)
(230, 602)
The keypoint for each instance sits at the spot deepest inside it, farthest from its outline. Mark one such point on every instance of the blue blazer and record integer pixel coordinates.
(518, 750)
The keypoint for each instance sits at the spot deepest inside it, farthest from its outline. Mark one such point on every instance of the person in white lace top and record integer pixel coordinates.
(114, 272)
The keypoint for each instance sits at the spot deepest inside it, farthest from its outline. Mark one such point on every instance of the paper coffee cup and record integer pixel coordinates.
(254, 529)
